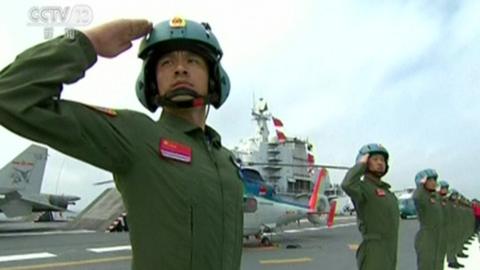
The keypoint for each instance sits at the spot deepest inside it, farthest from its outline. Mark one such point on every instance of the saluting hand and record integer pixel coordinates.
(363, 159)
(112, 38)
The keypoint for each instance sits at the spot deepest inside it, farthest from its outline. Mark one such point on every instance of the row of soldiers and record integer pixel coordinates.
(447, 221)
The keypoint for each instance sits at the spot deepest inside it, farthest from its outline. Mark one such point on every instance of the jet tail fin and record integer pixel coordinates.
(25, 172)
(313, 203)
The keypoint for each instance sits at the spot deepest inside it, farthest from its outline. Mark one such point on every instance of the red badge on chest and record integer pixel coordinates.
(176, 151)
(380, 192)
(432, 200)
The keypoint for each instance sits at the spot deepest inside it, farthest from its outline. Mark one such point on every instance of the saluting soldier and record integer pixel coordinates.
(452, 224)
(459, 225)
(447, 222)
(377, 209)
(430, 215)
(470, 221)
(179, 184)
(467, 222)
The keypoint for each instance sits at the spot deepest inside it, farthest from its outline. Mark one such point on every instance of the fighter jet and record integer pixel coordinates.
(20, 183)
(264, 212)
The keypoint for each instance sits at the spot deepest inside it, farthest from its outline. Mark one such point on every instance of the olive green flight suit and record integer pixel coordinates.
(377, 217)
(458, 230)
(427, 240)
(448, 215)
(443, 237)
(470, 221)
(182, 214)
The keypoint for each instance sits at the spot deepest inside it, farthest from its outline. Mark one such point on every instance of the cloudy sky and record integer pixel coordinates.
(340, 73)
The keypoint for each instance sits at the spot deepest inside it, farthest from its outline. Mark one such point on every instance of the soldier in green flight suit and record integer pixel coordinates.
(377, 209)
(430, 216)
(444, 229)
(179, 184)
(456, 230)
(458, 225)
(451, 223)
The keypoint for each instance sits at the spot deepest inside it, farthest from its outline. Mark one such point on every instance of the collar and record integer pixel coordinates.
(376, 181)
(177, 123)
(214, 137)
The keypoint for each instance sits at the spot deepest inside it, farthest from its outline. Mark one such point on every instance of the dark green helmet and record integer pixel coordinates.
(443, 184)
(453, 194)
(372, 149)
(181, 34)
(425, 174)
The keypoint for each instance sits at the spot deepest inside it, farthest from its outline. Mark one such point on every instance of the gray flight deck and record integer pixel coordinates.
(301, 246)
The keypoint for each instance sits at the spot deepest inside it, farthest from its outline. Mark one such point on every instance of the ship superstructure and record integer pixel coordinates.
(283, 161)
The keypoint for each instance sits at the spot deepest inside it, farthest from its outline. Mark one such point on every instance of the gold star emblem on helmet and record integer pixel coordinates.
(178, 22)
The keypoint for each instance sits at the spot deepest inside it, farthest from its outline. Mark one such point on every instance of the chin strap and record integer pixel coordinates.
(376, 174)
(182, 98)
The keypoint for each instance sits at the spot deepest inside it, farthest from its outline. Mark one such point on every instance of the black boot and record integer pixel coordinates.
(462, 255)
(453, 265)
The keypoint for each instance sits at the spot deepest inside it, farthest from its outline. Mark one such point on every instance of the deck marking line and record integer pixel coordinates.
(27, 256)
(67, 264)
(17, 234)
(109, 249)
(312, 229)
(286, 261)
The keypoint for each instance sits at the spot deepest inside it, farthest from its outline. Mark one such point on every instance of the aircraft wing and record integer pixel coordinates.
(17, 204)
(15, 208)
(38, 201)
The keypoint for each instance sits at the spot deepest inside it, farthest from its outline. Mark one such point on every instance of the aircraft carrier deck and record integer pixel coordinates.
(296, 247)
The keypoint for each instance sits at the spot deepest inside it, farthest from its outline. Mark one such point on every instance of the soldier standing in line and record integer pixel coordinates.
(459, 225)
(452, 225)
(377, 209)
(430, 216)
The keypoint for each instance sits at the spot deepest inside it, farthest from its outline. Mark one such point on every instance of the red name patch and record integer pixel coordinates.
(176, 151)
(380, 192)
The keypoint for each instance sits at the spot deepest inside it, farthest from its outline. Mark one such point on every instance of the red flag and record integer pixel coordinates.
(281, 137)
(310, 159)
(279, 130)
(310, 162)
(277, 122)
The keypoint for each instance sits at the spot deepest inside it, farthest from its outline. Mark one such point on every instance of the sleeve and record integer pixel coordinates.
(352, 185)
(30, 104)
(420, 200)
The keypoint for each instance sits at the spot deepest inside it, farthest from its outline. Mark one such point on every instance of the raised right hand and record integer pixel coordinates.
(112, 38)
(363, 159)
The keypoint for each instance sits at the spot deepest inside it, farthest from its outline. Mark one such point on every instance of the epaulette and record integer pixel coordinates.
(107, 111)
